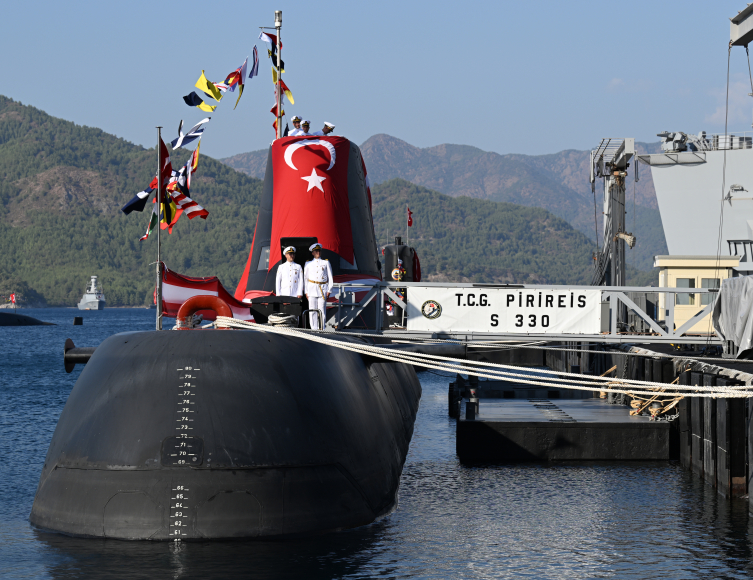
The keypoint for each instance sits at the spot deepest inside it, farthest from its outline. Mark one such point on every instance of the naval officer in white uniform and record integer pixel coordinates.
(326, 130)
(318, 276)
(289, 276)
(296, 127)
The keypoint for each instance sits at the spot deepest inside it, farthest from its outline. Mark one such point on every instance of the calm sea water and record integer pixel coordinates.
(614, 520)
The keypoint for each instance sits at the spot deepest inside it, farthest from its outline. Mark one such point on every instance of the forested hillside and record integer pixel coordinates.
(62, 186)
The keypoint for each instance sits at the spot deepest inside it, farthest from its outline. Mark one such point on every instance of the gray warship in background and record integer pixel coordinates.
(94, 298)
(204, 433)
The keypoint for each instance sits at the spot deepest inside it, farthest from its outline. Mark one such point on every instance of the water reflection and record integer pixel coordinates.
(332, 556)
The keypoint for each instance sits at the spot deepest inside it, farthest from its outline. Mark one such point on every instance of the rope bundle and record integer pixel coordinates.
(574, 381)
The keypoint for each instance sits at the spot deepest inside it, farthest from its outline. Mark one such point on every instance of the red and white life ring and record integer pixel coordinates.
(201, 302)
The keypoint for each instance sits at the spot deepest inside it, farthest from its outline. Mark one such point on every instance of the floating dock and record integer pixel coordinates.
(515, 430)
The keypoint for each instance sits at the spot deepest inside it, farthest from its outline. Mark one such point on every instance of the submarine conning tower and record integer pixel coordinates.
(206, 434)
(316, 189)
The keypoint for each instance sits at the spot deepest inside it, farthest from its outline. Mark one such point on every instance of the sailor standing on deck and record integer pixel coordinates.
(289, 276)
(305, 128)
(326, 130)
(318, 276)
(296, 127)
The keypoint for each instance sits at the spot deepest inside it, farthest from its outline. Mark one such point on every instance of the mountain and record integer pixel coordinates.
(62, 186)
(556, 182)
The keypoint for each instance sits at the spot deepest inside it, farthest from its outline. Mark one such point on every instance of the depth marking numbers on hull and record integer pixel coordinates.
(183, 450)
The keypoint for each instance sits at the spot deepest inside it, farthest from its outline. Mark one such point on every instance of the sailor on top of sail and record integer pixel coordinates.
(318, 276)
(326, 130)
(305, 128)
(297, 127)
(289, 276)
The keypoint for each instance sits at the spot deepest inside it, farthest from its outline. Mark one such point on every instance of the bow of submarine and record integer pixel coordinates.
(223, 434)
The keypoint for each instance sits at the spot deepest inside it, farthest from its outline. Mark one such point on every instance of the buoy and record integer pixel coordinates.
(201, 302)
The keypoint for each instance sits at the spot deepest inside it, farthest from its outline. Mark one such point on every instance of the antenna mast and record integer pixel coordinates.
(610, 161)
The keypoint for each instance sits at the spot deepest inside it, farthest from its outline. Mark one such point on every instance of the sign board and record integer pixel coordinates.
(504, 310)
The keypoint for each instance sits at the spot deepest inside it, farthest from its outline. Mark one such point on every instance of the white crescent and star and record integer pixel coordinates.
(309, 143)
(315, 180)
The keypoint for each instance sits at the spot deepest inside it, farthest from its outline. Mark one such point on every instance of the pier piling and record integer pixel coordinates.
(686, 431)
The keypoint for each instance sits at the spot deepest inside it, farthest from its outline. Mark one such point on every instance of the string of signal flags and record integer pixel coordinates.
(177, 183)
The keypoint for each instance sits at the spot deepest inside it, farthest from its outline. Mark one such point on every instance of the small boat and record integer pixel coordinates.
(93, 298)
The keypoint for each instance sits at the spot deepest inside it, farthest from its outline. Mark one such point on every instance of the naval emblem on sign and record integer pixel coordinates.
(555, 310)
(431, 309)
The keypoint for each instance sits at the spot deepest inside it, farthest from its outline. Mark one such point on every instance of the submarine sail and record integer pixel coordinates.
(315, 188)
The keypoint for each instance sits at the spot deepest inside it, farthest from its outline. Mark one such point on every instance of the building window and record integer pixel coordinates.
(264, 259)
(709, 283)
(685, 299)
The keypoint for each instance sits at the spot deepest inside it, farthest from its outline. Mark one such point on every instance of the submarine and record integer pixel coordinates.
(203, 433)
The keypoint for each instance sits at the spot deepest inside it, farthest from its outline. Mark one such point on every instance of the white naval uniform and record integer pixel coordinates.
(295, 132)
(289, 280)
(318, 133)
(318, 279)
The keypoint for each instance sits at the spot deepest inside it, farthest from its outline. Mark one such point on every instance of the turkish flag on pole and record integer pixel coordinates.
(13, 298)
(410, 217)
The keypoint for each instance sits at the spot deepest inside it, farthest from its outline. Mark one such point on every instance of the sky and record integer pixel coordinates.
(504, 76)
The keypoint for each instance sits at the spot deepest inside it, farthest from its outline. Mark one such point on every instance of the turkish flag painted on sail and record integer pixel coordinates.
(310, 196)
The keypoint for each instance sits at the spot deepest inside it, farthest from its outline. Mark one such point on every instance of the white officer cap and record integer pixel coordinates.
(306, 122)
(330, 125)
(295, 118)
(399, 261)
(289, 250)
(316, 246)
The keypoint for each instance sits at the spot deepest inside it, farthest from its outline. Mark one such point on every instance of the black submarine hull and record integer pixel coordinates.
(225, 434)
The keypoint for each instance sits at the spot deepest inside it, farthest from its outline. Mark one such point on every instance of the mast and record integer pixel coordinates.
(158, 288)
(278, 26)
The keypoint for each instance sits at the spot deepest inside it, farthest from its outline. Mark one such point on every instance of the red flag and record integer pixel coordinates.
(13, 298)
(410, 217)
(167, 167)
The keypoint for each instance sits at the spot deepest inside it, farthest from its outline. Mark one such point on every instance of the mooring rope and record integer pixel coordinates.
(703, 359)
(498, 371)
(522, 343)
